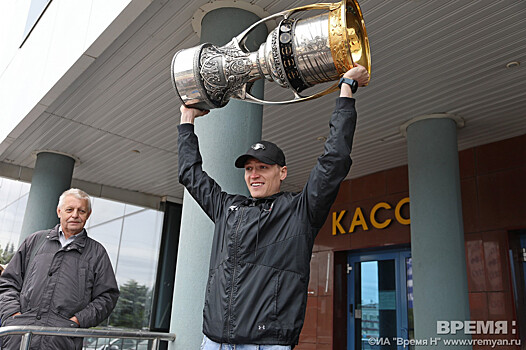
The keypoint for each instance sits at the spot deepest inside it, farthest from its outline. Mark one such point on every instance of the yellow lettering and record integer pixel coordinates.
(398, 213)
(336, 223)
(375, 223)
(358, 220)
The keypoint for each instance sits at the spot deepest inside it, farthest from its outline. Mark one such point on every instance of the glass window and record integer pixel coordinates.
(36, 10)
(131, 235)
(129, 209)
(139, 248)
(109, 235)
(104, 210)
(136, 268)
(13, 200)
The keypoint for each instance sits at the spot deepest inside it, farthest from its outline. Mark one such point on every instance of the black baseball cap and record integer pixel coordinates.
(264, 151)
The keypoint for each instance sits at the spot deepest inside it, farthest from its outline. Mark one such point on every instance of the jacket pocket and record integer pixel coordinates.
(254, 304)
(86, 282)
(214, 308)
(55, 342)
(82, 284)
(63, 321)
(25, 319)
(68, 296)
(210, 283)
(291, 302)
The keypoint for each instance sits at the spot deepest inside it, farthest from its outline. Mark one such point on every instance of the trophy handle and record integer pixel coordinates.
(298, 97)
(240, 39)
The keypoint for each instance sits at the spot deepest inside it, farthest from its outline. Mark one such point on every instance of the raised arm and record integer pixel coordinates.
(206, 192)
(335, 162)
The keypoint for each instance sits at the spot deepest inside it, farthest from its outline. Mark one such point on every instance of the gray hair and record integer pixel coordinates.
(75, 192)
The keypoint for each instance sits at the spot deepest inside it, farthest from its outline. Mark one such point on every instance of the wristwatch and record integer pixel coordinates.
(352, 83)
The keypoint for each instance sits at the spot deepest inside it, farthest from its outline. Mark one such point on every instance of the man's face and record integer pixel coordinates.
(73, 215)
(262, 179)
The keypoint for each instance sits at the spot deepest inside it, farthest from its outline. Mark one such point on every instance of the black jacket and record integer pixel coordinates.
(58, 283)
(261, 251)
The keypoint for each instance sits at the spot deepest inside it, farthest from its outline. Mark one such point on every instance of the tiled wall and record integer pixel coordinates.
(318, 330)
(493, 182)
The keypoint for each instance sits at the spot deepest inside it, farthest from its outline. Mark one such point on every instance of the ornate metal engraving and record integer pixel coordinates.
(224, 72)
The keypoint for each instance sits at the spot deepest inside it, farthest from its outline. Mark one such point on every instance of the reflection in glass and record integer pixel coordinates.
(36, 10)
(136, 265)
(139, 247)
(370, 298)
(104, 210)
(130, 209)
(13, 200)
(377, 312)
(132, 242)
(108, 235)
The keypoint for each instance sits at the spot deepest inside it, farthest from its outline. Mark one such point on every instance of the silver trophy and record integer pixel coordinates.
(297, 54)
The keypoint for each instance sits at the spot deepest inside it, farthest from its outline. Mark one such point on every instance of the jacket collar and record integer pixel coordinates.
(265, 203)
(255, 201)
(78, 243)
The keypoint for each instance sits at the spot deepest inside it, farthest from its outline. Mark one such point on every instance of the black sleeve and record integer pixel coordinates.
(206, 192)
(12, 279)
(333, 165)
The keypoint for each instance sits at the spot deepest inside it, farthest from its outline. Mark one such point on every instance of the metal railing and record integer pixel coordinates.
(28, 331)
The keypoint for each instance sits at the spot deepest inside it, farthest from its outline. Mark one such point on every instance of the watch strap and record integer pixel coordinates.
(351, 82)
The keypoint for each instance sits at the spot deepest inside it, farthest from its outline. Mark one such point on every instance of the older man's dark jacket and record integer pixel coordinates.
(261, 250)
(58, 283)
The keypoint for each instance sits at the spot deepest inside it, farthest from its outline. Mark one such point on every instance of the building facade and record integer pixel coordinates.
(361, 284)
(420, 233)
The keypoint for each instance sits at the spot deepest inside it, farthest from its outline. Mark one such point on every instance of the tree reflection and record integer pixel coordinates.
(133, 307)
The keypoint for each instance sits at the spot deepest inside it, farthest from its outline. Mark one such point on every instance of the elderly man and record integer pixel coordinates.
(262, 244)
(58, 278)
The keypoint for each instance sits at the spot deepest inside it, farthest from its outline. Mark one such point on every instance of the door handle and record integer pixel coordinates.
(358, 314)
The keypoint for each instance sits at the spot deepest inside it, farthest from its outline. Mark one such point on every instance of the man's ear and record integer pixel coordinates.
(283, 173)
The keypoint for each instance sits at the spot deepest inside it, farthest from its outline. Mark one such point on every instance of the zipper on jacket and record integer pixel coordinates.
(234, 271)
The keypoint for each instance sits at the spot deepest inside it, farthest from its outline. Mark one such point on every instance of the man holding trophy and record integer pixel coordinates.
(259, 271)
(262, 244)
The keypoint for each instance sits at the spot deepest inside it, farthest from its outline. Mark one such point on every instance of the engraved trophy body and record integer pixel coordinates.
(297, 54)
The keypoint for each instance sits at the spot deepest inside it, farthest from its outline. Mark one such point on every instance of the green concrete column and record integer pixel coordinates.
(437, 234)
(224, 134)
(51, 177)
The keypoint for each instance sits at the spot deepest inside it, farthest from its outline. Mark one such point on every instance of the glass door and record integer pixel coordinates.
(517, 256)
(380, 300)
